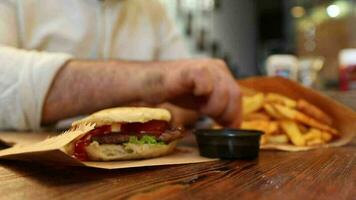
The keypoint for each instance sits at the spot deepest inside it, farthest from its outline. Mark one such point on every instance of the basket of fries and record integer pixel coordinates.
(293, 117)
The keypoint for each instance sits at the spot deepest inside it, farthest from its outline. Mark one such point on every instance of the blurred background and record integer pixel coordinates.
(307, 40)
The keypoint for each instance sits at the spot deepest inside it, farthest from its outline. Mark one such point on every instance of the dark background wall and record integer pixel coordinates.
(235, 26)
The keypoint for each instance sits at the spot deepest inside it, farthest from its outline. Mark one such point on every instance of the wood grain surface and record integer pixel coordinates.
(318, 174)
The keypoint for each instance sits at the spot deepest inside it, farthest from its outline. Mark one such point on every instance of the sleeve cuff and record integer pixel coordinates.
(41, 76)
(30, 74)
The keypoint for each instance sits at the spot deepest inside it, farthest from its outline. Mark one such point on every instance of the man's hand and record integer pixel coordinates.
(206, 85)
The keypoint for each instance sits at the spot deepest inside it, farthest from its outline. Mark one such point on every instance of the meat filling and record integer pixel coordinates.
(119, 138)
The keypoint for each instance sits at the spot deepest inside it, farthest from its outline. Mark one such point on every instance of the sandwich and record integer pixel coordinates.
(125, 133)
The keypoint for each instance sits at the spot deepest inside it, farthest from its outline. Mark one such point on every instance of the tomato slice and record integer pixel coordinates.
(153, 128)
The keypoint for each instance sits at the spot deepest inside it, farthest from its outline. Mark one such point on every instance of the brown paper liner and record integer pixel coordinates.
(344, 119)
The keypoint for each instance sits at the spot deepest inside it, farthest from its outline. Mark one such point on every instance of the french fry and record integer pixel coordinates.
(326, 136)
(272, 111)
(278, 139)
(272, 128)
(268, 127)
(293, 132)
(280, 99)
(251, 104)
(260, 125)
(285, 112)
(304, 119)
(257, 116)
(313, 111)
(312, 134)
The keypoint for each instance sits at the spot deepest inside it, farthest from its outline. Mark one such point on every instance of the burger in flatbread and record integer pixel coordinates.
(125, 133)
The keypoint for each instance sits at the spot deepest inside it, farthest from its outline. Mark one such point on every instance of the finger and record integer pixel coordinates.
(232, 114)
(192, 88)
(193, 80)
(203, 81)
(217, 101)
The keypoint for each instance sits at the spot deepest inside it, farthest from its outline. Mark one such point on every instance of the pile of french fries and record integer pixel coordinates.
(287, 121)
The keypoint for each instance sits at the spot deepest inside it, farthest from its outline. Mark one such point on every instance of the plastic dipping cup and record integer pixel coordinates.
(228, 143)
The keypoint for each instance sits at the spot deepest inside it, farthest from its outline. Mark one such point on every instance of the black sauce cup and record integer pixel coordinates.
(228, 143)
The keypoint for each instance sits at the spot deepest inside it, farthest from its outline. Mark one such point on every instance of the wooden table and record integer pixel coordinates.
(319, 174)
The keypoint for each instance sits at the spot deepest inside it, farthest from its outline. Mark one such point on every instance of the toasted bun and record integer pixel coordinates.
(110, 152)
(126, 115)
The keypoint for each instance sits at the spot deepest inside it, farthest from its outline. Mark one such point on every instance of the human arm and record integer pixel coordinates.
(82, 87)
